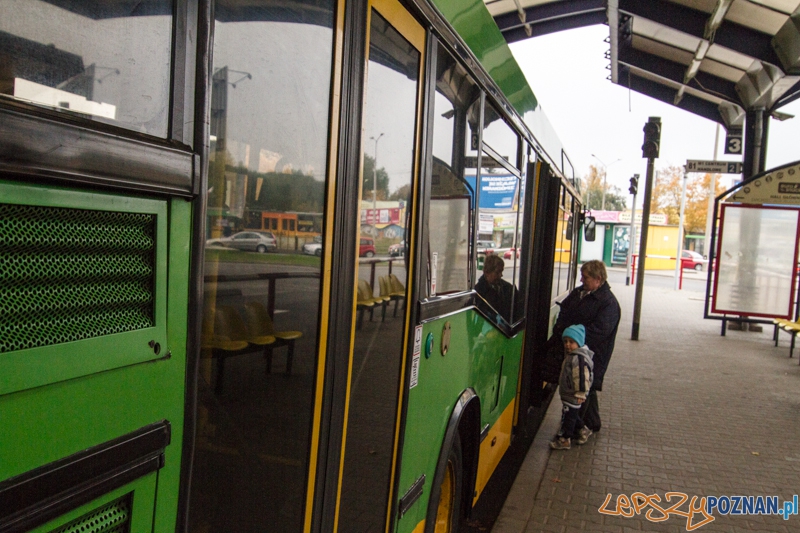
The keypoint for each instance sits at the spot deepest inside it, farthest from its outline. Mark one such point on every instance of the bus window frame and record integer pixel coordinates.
(112, 156)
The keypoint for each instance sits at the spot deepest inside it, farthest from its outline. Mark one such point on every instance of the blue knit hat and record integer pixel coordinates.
(576, 332)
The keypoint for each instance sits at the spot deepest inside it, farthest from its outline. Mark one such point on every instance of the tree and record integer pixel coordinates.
(382, 179)
(667, 198)
(402, 193)
(696, 211)
(592, 189)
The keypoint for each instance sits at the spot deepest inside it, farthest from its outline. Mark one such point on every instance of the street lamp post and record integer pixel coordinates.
(375, 181)
(605, 175)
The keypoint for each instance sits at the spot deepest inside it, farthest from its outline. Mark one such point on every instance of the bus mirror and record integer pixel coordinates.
(590, 228)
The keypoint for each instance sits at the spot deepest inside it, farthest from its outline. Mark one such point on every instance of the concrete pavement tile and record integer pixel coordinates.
(509, 525)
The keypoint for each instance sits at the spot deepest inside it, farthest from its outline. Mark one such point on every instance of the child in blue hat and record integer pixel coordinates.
(574, 384)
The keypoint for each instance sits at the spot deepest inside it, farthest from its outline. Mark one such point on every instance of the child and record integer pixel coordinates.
(574, 384)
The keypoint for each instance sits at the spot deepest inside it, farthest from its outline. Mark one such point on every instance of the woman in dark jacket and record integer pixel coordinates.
(594, 306)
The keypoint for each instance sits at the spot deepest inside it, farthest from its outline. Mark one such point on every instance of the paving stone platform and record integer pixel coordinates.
(684, 410)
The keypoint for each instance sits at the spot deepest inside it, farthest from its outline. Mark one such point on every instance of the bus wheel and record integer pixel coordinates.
(448, 512)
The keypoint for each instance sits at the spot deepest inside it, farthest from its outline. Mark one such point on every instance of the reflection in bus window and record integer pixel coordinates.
(109, 61)
(390, 112)
(499, 195)
(501, 296)
(260, 318)
(452, 197)
(563, 264)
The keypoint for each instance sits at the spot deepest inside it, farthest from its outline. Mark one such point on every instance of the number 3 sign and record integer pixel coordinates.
(733, 141)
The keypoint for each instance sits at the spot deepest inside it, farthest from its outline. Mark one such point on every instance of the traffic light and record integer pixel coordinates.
(634, 184)
(652, 136)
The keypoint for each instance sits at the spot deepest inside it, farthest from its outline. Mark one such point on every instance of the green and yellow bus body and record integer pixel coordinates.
(476, 378)
(155, 378)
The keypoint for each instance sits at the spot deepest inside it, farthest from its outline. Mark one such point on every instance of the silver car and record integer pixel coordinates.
(251, 241)
(313, 248)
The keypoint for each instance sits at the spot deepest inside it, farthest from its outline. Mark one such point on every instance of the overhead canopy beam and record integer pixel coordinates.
(666, 94)
(546, 27)
(789, 96)
(674, 71)
(693, 22)
(551, 18)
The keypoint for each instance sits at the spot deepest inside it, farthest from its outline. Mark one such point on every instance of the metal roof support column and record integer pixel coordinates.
(755, 142)
(612, 13)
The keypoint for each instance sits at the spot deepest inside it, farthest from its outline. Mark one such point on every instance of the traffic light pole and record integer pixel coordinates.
(637, 303)
(631, 241)
(652, 138)
(632, 232)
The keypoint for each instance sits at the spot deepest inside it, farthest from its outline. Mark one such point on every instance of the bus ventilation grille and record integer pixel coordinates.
(72, 274)
(114, 517)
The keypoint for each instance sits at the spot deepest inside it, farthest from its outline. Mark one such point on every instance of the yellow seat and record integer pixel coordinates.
(386, 291)
(259, 324)
(366, 300)
(396, 286)
(228, 337)
(791, 327)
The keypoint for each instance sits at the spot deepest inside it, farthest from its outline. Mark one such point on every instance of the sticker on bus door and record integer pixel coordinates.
(415, 357)
(434, 268)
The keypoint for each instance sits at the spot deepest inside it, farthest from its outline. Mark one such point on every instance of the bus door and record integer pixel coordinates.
(390, 140)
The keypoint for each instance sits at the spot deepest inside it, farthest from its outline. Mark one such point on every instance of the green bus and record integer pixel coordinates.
(156, 376)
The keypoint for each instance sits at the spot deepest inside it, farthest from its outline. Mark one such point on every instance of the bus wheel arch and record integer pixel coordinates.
(462, 438)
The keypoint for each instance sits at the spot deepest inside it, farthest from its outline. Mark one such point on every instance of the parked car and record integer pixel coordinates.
(314, 248)
(509, 252)
(366, 247)
(692, 260)
(250, 241)
(398, 250)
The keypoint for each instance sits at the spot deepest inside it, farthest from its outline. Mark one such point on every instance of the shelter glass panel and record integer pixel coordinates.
(109, 61)
(756, 261)
(271, 83)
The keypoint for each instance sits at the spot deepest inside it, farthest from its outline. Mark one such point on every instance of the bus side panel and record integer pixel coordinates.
(479, 357)
(62, 420)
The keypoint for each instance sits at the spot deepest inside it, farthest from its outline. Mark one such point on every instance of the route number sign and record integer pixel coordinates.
(733, 141)
(717, 167)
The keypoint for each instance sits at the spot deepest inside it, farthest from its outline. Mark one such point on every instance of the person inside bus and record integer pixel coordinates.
(496, 291)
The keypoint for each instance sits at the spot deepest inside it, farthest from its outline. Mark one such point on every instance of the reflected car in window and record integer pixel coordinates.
(366, 247)
(313, 248)
(485, 247)
(397, 250)
(249, 241)
(508, 253)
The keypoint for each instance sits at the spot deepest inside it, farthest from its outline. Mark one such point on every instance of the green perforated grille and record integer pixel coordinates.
(113, 517)
(71, 274)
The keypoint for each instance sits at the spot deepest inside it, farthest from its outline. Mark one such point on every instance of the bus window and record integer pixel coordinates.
(498, 201)
(108, 61)
(451, 196)
(258, 364)
(390, 112)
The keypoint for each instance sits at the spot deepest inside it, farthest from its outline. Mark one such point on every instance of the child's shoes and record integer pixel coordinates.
(560, 443)
(583, 436)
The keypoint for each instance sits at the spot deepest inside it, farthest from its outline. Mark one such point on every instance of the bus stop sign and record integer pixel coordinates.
(717, 167)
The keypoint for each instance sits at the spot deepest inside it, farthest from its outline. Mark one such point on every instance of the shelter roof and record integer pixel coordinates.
(715, 58)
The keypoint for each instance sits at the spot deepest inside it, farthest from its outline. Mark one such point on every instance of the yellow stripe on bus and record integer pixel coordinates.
(493, 448)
